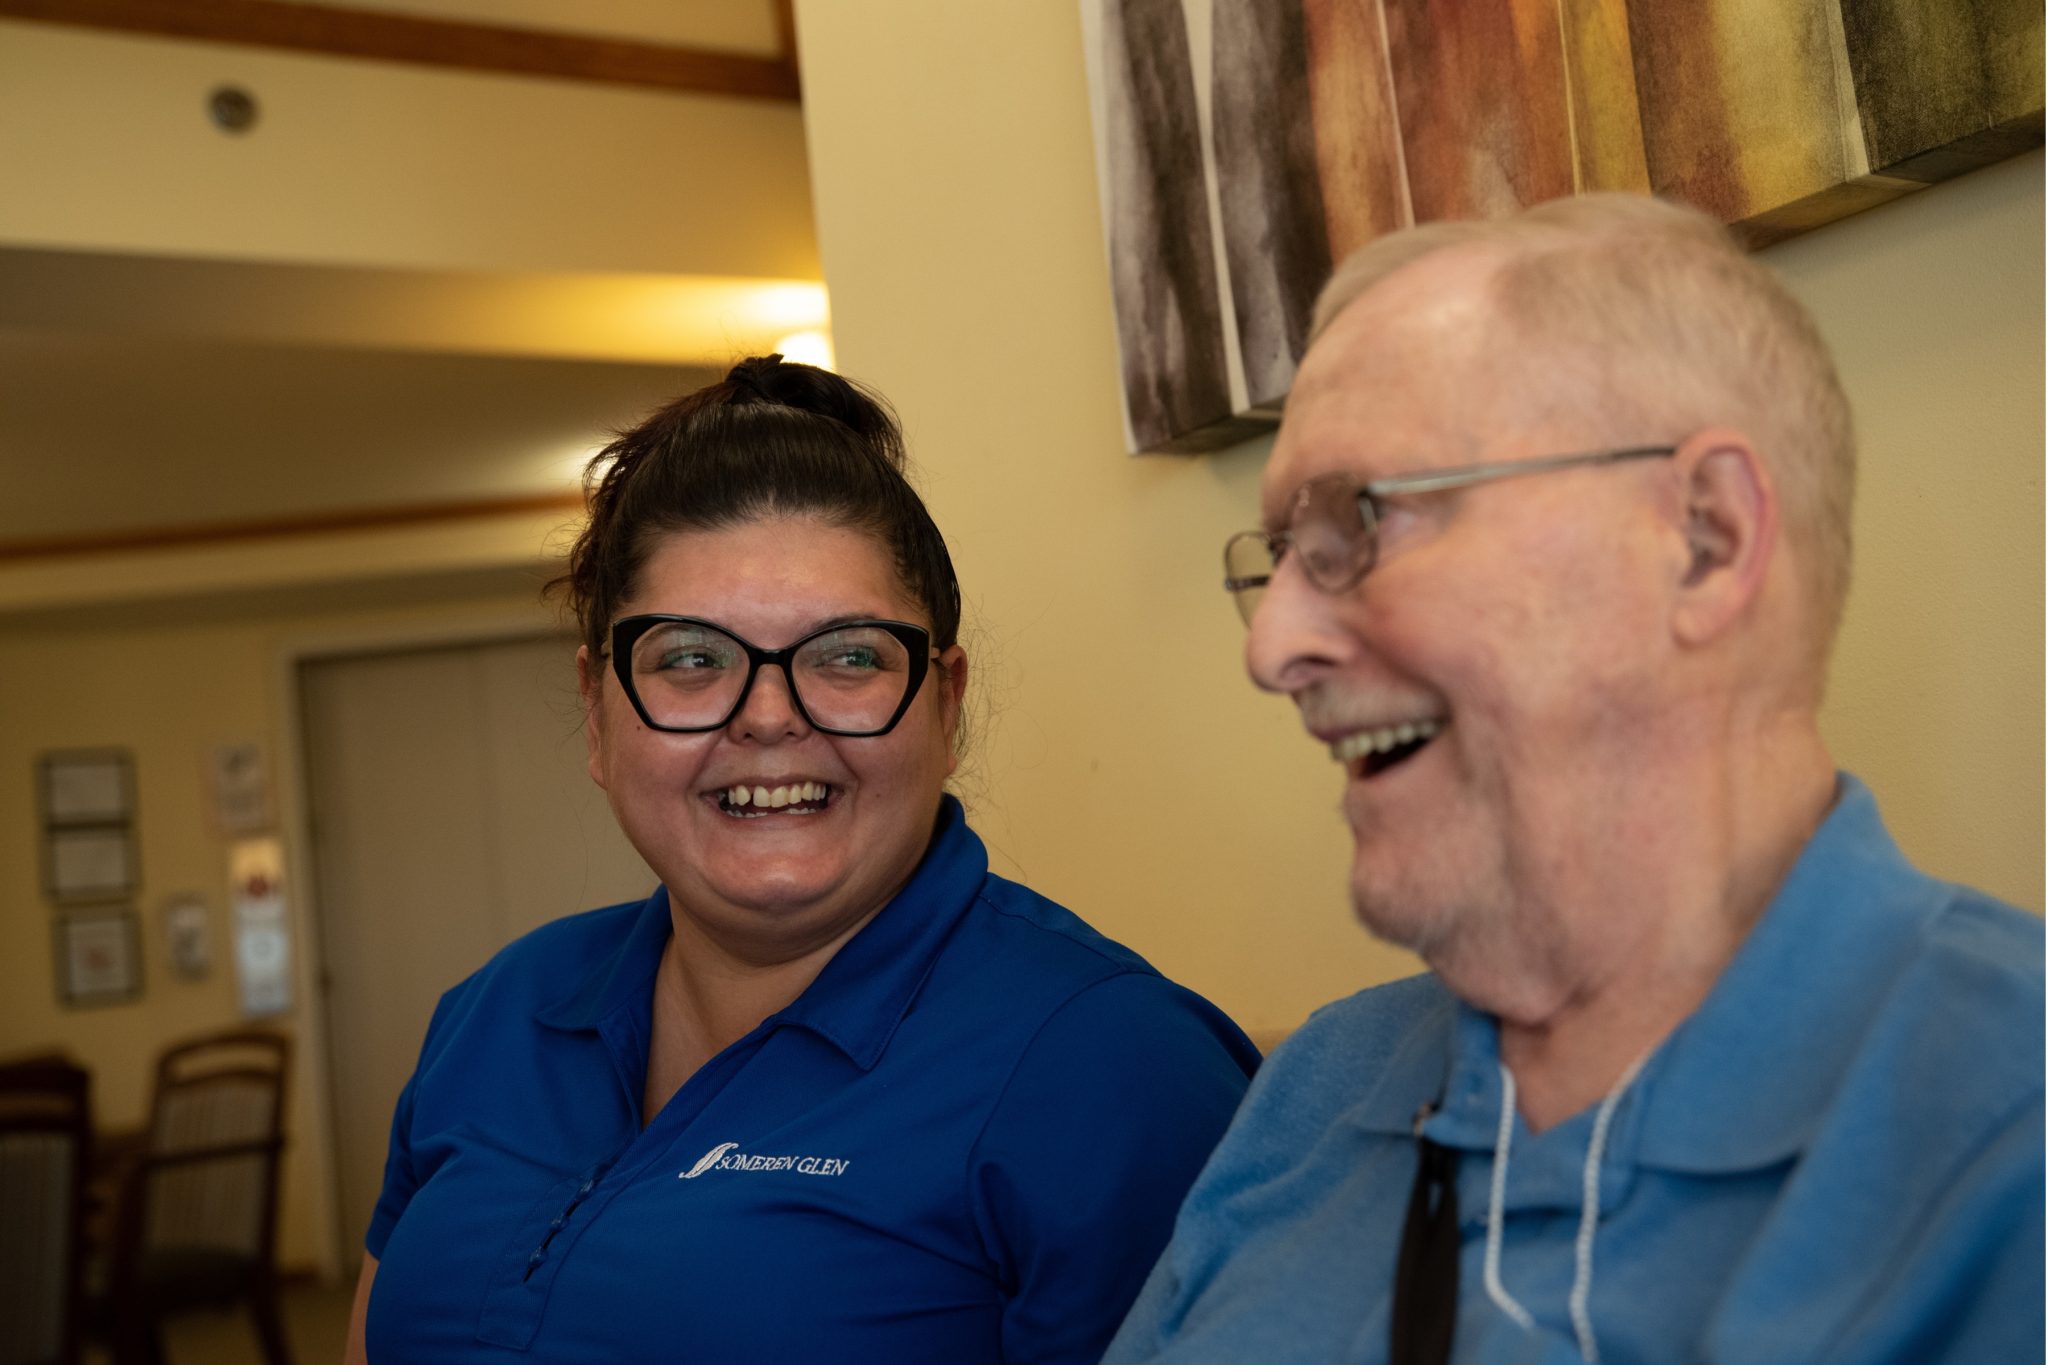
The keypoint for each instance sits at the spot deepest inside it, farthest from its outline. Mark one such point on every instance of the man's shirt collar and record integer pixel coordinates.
(1742, 1083)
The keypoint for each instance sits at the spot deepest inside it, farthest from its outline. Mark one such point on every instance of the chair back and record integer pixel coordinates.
(45, 1148)
(206, 1186)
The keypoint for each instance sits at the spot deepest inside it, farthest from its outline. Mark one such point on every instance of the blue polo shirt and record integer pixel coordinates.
(964, 1142)
(1837, 1157)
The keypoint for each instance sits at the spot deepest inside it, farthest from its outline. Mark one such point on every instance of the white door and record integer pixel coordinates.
(451, 812)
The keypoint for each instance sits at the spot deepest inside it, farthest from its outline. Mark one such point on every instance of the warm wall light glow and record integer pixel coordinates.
(810, 348)
(568, 466)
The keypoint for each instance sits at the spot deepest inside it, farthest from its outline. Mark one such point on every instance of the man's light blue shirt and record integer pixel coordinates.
(1837, 1157)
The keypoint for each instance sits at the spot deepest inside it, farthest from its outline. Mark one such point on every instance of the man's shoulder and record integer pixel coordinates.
(1974, 991)
(1360, 1030)
(1974, 969)
(1977, 932)
(1351, 1051)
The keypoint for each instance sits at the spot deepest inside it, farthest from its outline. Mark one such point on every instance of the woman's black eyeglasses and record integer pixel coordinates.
(685, 675)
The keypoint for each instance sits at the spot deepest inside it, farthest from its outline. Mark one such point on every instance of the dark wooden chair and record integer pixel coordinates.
(45, 1147)
(196, 1224)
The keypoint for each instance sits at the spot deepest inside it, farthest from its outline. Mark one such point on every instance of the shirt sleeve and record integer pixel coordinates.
(401, 1174)
(1967, 1285)
(401, 1181)
(1103, 1125)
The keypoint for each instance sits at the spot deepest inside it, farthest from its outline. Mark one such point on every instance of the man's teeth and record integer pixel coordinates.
(775, 798)
(1351, 748)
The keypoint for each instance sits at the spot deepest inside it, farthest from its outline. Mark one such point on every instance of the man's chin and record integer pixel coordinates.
(1403, 914)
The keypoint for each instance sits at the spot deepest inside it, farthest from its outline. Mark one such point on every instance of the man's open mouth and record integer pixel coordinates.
(745, 802)
(1369, 753)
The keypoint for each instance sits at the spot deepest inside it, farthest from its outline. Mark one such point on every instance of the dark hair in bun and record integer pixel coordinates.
(771, 439)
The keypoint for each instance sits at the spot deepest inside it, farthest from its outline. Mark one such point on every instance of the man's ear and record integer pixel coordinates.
(590, 686)
(1729, 509)
(952, 673)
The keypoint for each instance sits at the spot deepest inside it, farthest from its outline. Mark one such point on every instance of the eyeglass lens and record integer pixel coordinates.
(1331, 531)
(846, 678)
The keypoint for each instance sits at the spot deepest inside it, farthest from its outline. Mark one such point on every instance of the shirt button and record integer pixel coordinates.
(587, 1186)
(555, 1226)
(534, 1259)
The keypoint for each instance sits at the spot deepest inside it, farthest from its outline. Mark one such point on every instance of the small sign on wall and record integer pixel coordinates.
(239, 784)
(188, 937)
(263, 957)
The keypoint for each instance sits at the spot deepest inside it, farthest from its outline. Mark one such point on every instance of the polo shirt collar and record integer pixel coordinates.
(622, 979)
(868, 986)
(862, 994)
(1749, 1077)
(1745, 1081)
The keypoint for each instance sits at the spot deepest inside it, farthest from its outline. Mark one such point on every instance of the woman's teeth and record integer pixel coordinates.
(1386, 738)
(775, 798)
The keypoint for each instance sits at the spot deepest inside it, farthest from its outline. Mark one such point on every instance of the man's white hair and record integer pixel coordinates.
(1656, 315)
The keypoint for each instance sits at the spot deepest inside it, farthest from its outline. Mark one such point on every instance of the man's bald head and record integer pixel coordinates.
(1653, 315)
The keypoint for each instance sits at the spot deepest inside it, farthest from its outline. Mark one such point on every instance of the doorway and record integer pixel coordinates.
(450, 811)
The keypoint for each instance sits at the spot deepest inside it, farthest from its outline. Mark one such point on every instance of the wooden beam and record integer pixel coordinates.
(366, 519)
(336, 32)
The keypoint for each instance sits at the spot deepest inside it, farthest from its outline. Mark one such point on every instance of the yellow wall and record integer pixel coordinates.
(1933, 307)
(168, 693)
(1129, 768)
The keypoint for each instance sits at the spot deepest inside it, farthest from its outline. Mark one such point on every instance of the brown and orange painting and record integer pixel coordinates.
(1243, 146)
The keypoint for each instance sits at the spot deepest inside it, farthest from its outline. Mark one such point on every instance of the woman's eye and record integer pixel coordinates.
(852, 656)
(682, 657)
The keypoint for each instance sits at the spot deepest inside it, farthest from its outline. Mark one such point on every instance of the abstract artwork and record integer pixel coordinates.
(1244, 146)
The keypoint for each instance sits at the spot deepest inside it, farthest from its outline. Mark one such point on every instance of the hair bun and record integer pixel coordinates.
(793, 384)
(754, 374)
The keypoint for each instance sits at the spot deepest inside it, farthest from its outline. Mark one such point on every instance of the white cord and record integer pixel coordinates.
(1500, 1296)
(1589, 1216)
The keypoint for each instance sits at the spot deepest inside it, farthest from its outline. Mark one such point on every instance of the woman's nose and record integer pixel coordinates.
(769, 711)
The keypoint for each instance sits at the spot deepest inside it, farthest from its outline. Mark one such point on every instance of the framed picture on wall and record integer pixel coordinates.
(86, 787)
(99, 957)
(88, 864)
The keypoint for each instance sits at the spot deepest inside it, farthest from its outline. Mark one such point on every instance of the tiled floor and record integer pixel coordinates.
(316, 1318)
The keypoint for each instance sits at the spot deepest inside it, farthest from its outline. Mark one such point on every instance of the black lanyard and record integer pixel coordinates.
(1426, 1269)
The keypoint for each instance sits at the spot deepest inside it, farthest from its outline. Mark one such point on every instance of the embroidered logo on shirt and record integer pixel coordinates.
(725, 1157)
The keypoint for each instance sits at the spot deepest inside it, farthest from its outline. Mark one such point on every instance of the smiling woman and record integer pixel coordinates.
(833, 1091)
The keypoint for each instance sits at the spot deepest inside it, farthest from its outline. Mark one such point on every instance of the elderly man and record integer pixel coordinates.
(1556, 539)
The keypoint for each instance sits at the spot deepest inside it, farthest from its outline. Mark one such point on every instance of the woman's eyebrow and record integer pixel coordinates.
(834, 622)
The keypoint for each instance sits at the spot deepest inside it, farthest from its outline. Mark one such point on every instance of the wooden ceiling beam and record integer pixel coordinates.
(271, 528)
(337, 32)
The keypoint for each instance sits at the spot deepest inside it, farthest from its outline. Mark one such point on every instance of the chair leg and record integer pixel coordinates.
(270, 1325)
(137, 1340)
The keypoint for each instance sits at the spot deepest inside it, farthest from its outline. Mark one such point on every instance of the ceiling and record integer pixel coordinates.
(118, 435)
(224, 375)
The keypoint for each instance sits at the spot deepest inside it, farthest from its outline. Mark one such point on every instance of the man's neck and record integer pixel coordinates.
(1608, 977)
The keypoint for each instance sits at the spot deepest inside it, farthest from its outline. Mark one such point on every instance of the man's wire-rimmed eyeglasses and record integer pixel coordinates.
(687, 675)
(1333, 523)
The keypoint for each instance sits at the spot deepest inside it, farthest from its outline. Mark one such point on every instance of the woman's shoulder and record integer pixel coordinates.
(541, 966)
(1042, 932)
(1032, 971)
(556, 951)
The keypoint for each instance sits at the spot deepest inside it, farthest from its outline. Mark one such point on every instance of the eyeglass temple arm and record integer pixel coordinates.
(1507, 469)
